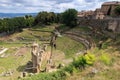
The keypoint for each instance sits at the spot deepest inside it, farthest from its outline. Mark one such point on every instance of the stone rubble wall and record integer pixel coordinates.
(111, 24)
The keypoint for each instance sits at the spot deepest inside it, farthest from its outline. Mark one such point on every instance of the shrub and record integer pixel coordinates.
(89, 59)
(59, 75)
(69, 69)
(82, 61)
(117, 10)
(79, 62)
(105, 45)
(105, 59)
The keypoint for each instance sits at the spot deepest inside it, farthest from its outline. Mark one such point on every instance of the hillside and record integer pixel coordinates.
(105, 67)
(71, 45)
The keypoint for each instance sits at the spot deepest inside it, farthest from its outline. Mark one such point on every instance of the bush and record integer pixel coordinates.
(78, 62)
(82, 61)
(105, 59)
(89, 59)
(105, 45)
(59, 75)
(69, 69)
(117, 10)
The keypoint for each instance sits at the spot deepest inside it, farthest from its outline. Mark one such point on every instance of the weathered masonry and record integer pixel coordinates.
(110, 24)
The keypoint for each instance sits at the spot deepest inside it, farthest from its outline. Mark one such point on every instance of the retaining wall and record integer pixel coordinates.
(110, 24)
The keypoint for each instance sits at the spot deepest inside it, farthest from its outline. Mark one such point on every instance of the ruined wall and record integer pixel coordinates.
(105, 9)
(118, 26)
(111, 24)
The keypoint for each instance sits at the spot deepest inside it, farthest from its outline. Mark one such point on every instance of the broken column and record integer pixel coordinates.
(35, 58)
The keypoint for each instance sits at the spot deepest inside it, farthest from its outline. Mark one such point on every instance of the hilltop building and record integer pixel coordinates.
(108, 7)
(98, 14)
(85, 14)
(105, 12)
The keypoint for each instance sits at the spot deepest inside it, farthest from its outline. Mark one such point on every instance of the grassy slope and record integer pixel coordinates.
(69, 47)
(105, 72)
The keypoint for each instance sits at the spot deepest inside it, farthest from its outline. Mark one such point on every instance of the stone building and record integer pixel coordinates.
(105, 12)
(85, 14)
(81, 14)
(98, 14)
(108, 7)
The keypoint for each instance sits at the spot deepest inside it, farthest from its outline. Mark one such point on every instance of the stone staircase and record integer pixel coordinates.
(85, 40)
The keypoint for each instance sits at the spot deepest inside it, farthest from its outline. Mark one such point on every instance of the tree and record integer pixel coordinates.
(11, 25)
(69, 17)
(117, 10)
(19, 22)
(29, 20)
(58, 18)
(41, 18)
(45, 18)
(4, 25)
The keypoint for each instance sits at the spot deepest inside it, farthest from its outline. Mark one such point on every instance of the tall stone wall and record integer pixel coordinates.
(111, 24)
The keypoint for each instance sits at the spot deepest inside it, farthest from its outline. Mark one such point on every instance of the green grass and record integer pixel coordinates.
(48, 28)
(11, 61)
(68, 46)
(8, 63)
(9, 45)
(15, 63)
(82, 28)
(105, 75)
(58, 75)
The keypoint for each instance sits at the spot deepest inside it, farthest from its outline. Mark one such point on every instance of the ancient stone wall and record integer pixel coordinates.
(108, 7)
(111, 24)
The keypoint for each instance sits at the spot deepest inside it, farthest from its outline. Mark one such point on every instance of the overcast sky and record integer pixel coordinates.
(31, 6)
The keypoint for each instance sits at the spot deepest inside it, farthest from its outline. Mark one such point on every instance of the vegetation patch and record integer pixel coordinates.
(68, 46)
(105, 58)
(59, 75)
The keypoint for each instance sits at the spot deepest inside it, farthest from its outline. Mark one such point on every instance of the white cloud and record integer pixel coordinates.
(24, 6)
